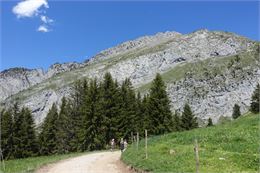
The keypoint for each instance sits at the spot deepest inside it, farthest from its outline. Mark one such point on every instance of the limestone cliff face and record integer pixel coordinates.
(15, 80)
(211, 70)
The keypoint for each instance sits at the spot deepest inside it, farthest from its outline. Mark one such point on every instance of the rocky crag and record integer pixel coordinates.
(210, 70)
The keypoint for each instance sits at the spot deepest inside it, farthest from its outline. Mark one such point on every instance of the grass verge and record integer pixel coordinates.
(229, 147)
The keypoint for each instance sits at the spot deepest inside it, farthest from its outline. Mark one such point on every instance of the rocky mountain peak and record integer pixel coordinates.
(60, 68)
(132, 45)
(196, 67)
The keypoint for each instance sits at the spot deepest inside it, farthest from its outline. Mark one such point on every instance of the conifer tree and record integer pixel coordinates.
(236, 111)
(18, 131)
(94, 136)
(159, 108)
(63, 128)
(48, 135)
(29, 146)
(110, 105)
(143, 118)
(128, 119)
(176, 122)
(188, 120)
(79, 97)
(7, 134)
(254, 107)
(210, 123)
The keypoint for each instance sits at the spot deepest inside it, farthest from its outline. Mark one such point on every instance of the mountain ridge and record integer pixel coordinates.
(139, 59)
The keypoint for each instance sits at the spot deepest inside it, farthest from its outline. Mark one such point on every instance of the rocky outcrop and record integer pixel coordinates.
(214, 96)
(146, 41)
(15, 80)
(211, 94)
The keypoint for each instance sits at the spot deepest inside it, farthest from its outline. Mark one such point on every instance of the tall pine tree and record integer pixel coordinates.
(63, 127)
(110, 105)
(95, 127)
(128, 119)
(159, 108)
(79, 97)
(18, 131)
(29, 146)
(7, 130)
(48, 136)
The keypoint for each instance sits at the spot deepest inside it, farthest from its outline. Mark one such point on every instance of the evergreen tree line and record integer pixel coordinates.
(95, 113)
(18, 136)
(100, 111)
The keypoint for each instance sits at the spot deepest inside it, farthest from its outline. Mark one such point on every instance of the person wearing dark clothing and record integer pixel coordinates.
(122, 145)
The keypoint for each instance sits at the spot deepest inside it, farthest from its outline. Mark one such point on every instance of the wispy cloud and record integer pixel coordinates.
(34, 8)
(43, 28)
(46, 20)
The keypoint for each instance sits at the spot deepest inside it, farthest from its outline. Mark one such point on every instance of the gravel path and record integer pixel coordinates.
(101, 162)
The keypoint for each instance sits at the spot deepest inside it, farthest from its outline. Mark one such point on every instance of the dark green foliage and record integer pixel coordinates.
(110, 104)
(29, 146)
(210, 123)
(63, 127)
(94, 114)
(176, 122)
(48, 136)
(159, 108)
(18, 137)
(78, 104)
(18, 131)
(128, 119)
(254, 107)
(188, 120)
(95, 121)
(236, 111)
(7, 134)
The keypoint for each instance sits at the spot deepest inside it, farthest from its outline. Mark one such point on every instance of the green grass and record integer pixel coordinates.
(229, 147)
(28, 165)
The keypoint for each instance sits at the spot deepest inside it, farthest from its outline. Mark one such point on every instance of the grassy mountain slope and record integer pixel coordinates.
(229, 147)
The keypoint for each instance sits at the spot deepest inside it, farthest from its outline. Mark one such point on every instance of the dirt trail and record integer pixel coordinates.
(103, 162)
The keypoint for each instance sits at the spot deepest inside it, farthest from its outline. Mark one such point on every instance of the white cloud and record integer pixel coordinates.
(46, 20)
(29, 8)
(43, 28)
(32, 8)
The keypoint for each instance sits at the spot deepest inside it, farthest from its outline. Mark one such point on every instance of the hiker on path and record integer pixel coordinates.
(112, 144)
(122, 145)
(125, 145)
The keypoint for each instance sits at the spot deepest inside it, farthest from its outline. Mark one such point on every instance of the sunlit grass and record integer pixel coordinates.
(230, 147)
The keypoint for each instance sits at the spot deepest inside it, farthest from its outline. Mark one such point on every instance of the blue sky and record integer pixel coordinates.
(81, 29)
